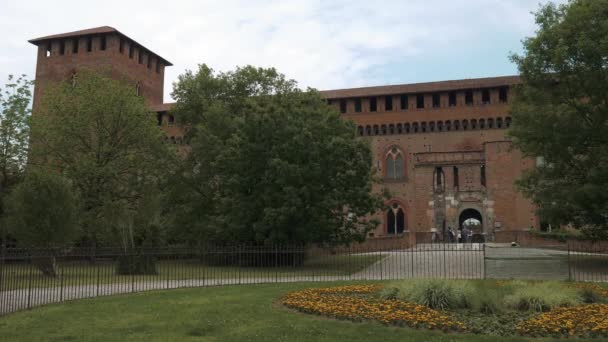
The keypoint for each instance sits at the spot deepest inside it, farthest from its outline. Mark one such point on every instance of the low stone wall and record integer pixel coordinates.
(375, 244)
(528, 239)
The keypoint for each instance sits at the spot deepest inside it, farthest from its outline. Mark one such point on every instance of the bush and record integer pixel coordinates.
(542, 297)
(436, 294)
(590, 296)
(487, 303)
(389, 293)
(136, 265)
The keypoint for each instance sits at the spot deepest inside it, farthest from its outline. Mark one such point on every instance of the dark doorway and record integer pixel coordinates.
(471, 221)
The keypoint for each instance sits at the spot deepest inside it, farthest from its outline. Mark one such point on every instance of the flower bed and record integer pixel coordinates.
(602, 291)
(493, 308)
(587, 320)
(355, 303)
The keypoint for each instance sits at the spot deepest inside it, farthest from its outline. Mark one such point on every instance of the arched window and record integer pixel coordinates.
(423, 127)
(391, 129)
(368, 130)
(473, 124)
(383, 129)
(448, 125)
(376, 130)
(395, 220)
(415, 127)
(456, 125)
(508, 121)
(407, 127)
(490, 123)
(498, 122)
(432, 126)
(399, 128)
(361, 132)
(440, 126)
(465, 125)
(394, 164)
(438, 180)
(482, 123)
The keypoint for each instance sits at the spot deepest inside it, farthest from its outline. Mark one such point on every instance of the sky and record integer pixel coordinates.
(321, 44)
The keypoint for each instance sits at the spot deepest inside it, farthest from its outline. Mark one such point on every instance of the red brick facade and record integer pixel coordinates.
(446, 141)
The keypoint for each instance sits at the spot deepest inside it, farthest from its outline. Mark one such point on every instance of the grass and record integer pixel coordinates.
(17, 276)
(230, 313)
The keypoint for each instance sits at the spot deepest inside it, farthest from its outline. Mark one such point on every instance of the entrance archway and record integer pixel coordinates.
(471, 221)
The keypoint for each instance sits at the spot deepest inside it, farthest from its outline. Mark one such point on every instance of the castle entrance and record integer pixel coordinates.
(470, 224)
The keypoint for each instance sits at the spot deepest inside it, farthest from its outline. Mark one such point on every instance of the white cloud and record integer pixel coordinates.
(319, 43)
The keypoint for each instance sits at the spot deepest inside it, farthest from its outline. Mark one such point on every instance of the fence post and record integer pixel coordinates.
(444, 263)
(61, 283)
(29, 285)
(276, 263)
(412, 259)
(484, 261)
(132, 273)
(569, 266)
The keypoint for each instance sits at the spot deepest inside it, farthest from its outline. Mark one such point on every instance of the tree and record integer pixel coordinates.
(269, 163)
(99, 134)
(560, 114)
(42, 213)
(15, 99)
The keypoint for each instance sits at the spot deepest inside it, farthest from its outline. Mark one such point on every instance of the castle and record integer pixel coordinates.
(441, 147)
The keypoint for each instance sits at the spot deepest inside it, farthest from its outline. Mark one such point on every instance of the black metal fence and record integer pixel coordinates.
(31, 277)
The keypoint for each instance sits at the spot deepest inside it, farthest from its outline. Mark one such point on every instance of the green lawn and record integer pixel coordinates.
(15, 276)
(230, 313)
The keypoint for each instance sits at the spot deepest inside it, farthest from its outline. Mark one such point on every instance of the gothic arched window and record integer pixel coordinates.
(395, 220)
(394, 164)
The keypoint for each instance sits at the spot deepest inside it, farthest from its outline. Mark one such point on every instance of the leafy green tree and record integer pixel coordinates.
(42, 213)
(15, 100)
(99, 134)
(269, 163)
(560, 114)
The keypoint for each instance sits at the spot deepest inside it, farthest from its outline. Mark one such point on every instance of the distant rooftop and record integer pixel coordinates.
(92, 31)
(472, 83)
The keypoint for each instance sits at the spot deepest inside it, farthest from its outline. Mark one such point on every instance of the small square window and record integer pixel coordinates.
(436, 100)
(343, 106)
(452, 99)
(404, 102)
(485, 96)
(420, 101)
(373, 104)
(502, 94)
(468, 97)
(388, 103)
(358, 105)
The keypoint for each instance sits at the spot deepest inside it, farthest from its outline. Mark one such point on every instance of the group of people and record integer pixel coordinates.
(463, 235)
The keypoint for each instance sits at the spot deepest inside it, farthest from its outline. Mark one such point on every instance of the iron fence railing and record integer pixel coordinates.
(31, 277)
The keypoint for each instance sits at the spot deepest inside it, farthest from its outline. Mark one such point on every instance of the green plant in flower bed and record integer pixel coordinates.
(542, 297)
(436, 294)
